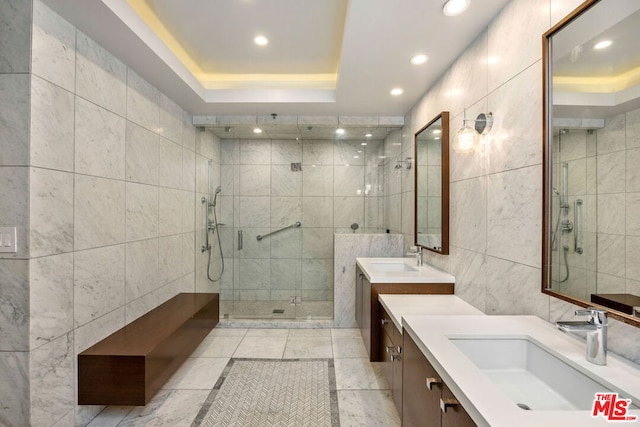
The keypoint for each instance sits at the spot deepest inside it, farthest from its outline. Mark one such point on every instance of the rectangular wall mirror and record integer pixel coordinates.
(432, 185)
(591, 227)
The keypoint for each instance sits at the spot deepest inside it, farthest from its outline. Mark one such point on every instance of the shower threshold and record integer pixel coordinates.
(276, 310)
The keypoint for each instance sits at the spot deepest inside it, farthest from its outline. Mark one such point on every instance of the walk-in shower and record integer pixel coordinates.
(211, 225)
(569, 188)
(286, 193)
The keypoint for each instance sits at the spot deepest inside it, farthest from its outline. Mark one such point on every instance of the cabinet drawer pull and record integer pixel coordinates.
(448, 403)
(399, 350)
(395, 357)
(431, 382)
(383, 322)
(390, 349)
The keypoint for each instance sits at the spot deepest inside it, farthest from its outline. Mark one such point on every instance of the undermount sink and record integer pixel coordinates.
(393, 267)
(530, 375)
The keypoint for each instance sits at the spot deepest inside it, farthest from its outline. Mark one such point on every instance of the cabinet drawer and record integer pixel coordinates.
(455, 415)
(389, 327)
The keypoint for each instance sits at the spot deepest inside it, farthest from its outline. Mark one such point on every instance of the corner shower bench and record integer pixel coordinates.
(129, 366)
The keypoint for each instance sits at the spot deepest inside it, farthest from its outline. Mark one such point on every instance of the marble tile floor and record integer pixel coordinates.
(364, 398)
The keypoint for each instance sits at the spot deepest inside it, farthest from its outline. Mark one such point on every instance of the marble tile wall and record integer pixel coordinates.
(602, 171)
(347, 247)
(339, 185)
(105, 180)
(15, 66)
(496, 191)
(392, 180)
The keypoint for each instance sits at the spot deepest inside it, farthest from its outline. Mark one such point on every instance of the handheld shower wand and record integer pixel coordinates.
(213, 227)
(215, 196)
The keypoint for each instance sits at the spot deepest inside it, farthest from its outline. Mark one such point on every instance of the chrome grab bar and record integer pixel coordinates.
(577, 222)
(297, 224)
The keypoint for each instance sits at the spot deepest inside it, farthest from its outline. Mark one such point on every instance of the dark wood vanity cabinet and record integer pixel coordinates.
(368, 307)
(391, 357)
(426, 400)
(455, 415)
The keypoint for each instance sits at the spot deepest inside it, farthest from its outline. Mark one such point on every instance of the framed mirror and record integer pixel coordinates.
(432, 185)
(591, 205)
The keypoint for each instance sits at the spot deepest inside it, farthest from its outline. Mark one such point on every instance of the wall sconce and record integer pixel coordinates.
(466, 138)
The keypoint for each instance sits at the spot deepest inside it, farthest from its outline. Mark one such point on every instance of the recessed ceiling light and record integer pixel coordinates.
(364, 144)
(261, 40)
(356, 157)
(437, 132)
(397, 91)
(603, 44)
(368, 135)
(419, 59)
(340, 131)
(257, 130)
(455, 7)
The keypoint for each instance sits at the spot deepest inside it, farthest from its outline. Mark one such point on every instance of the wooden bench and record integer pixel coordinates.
(129, 366)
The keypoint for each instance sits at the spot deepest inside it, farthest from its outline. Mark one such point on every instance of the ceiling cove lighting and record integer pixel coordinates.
(602, 45)
(397, 91)
(261, 40)
(455, 7)
(419, 59)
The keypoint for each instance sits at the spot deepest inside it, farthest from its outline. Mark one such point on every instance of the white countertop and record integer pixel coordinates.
(483, 400)
(419, 274)
(401, 305)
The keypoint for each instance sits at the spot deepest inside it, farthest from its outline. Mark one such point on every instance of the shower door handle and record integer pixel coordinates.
(577, 222)
(239, 240)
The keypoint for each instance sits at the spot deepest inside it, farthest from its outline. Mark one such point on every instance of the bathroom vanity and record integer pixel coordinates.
(402, 365)
(375, 276)
(428, 400)
(504, 371)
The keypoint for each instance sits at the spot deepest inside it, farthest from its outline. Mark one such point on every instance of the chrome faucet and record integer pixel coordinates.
(596, 329)
(418, 254)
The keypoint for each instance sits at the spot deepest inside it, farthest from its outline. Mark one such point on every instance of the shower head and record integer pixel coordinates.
(215, 196)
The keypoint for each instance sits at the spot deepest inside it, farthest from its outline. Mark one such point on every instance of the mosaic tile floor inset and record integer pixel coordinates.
(259, 392)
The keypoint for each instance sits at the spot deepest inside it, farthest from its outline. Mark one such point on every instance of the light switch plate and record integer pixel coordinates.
(8, 240)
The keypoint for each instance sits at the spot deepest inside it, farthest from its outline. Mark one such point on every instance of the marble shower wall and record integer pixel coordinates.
(602, 172)
(104, 173)
(260, 194)
(396, 182)
(496, 191)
